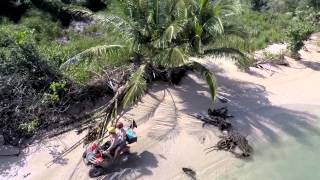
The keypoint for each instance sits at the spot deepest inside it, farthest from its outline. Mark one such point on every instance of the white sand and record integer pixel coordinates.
(170, 139)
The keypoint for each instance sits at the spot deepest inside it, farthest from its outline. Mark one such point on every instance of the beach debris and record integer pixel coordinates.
(189, 172)
(26, 175)
(221, 112)
(215, 118)
(222, 99)
(231, 140)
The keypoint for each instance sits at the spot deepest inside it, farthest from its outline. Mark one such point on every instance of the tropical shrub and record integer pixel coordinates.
(29, 128)
(24, 77)
(308, 14)
(297, 34)
(56, 90)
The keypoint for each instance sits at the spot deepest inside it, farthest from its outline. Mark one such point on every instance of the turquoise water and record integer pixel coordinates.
(291, 158)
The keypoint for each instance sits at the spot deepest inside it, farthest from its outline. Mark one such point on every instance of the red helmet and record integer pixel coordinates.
(119, 125)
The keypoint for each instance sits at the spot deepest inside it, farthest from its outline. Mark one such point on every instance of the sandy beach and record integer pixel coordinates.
(276, 108)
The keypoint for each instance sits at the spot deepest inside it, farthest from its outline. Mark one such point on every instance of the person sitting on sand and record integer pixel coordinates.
(122, 134)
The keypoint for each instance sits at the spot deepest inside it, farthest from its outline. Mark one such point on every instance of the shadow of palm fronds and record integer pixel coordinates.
(165, 121)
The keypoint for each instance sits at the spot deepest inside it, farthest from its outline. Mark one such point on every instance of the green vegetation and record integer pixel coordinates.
(297, 35)
(55, 91)
(49, 47)
(157, 39)
(273, 57)
(29, 128)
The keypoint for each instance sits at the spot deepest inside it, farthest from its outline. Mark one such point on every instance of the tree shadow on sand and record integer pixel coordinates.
(253, 112)
(310, 64)
(10, 165)
(138, 165)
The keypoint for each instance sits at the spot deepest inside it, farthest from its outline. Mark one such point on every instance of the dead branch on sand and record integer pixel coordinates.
(230, 142)
(233, 139)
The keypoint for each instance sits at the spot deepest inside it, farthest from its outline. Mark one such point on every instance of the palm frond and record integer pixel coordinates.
(203, 4)
(209, 77)
(80, 12)
(235, 30)
(164, 124)
(214, 26)
(119, 24)
(93, 52)
(172, 57)
(192, 6)
(137, 87)
(243, 61)
(169, 34)
(225, 8)
(181, 11)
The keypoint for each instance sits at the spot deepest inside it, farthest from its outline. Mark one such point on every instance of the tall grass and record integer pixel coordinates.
(263, 28)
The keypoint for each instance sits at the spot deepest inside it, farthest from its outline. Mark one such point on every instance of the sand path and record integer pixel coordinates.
(170, 139)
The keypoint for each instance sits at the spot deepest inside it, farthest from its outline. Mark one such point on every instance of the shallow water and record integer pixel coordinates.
(291, 158)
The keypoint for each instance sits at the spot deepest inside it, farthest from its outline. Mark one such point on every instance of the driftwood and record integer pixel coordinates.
(221, 112)
(190, 172)
(231, 141)
(218, 122)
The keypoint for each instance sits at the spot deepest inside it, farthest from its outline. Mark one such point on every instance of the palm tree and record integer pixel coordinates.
(156, 34)
(207, 24)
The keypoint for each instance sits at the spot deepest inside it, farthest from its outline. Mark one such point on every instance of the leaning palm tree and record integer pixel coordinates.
(157, 44)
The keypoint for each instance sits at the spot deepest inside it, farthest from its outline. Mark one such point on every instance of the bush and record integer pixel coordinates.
(308, 14)
(56, 90)
(29, 128)
(297, 34)
(43, 27)
(24, 77)
(273, 57)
